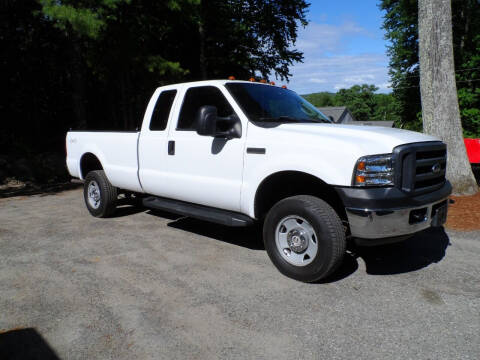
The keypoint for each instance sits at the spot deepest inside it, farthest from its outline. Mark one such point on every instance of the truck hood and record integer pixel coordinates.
(374, 139)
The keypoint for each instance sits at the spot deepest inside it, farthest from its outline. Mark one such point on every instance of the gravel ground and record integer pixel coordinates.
(148, 285)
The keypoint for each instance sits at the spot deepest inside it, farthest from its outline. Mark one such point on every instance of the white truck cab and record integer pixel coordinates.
(238, 152)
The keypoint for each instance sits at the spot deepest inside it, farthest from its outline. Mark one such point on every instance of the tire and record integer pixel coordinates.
(102, 198)
(304, 238)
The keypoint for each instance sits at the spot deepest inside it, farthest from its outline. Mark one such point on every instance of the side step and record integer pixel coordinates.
(201, 212)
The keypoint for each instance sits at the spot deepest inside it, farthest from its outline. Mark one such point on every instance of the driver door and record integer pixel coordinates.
(203, 169)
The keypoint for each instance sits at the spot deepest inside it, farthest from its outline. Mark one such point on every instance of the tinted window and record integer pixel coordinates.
(162, 110)
(265, 103)
(197, 97)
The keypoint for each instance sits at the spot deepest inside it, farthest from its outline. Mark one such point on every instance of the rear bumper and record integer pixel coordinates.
(372, 214)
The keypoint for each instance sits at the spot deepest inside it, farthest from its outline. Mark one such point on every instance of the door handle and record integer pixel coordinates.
(171, 147)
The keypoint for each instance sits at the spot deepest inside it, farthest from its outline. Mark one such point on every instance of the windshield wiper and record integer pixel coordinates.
(318, 121)
(279, 119)
(292, 119)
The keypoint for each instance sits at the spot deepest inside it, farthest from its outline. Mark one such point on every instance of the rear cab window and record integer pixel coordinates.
(162, 109)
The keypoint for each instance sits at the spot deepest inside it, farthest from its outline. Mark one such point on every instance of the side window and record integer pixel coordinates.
(197, 97)
(162, 110)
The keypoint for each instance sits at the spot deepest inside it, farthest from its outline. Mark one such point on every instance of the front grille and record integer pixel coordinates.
(420, 167)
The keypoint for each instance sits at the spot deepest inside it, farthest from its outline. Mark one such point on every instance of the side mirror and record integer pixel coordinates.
(210, 124)
(206, 120)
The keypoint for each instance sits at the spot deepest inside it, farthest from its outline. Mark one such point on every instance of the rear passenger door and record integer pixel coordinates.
(153, 141)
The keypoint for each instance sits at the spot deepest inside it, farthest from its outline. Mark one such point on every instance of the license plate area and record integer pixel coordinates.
(439, 213)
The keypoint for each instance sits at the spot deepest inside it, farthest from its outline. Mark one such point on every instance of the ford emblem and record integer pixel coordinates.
(436, 168)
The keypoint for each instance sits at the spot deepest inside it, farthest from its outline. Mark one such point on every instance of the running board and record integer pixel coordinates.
(201, 212)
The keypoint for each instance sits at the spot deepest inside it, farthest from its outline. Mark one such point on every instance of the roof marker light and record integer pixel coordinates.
(263, 81)
(272, 82)
(252, 79)
(284, 86)
(231, 77)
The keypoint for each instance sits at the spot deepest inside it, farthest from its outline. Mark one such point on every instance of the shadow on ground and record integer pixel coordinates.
(38, 189)
(423, 249)
(248, 237)
(420, 251)
(25, 344)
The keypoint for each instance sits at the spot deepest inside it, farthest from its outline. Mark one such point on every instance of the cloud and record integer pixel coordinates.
(325, 38)
(331, 73)
(334, 58)
(385, 87)
(359, 78)
(318, 81)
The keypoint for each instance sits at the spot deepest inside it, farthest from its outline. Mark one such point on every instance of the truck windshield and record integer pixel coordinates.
(265, 103)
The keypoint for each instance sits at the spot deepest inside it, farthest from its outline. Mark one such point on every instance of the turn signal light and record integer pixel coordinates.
(374, 170)
(360, 179)
(361, 165)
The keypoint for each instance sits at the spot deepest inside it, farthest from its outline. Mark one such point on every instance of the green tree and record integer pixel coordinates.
(401, 26)
(386, 108)
(95, 63)
(468, 82)
(360, 100)
(245, 37)
(321, 99)
(102, 30)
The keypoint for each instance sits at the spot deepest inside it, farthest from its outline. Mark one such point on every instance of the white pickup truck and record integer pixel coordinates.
(238, 153)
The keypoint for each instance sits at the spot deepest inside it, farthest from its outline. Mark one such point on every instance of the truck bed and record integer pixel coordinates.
(117, 152)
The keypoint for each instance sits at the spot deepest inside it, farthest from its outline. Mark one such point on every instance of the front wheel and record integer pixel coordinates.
(304, 238)
(100, 196)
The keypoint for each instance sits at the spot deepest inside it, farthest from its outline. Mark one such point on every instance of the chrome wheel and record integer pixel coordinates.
(296, 240)
(94, 194)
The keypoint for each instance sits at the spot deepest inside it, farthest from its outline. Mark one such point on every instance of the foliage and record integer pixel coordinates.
(386, 108)
(401, 26)
(82, 20)
(468, 80)
(95, 63)
(359, 99)
(362, 101)
(321, 99)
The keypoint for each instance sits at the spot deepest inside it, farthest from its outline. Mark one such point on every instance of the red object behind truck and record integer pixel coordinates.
(473, 150)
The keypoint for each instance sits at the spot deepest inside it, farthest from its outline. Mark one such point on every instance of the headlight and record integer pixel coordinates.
(374, 170)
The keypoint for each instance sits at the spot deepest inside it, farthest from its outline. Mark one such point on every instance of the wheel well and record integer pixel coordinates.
(284, 184)
(89, 162)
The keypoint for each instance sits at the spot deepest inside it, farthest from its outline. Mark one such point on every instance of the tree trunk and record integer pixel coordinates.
(201, 34)
(78, 86)
(440, 111)
(123, 101)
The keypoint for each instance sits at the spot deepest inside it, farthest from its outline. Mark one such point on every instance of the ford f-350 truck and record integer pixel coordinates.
(239, 153)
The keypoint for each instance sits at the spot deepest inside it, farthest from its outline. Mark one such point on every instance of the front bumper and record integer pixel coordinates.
(387, 212)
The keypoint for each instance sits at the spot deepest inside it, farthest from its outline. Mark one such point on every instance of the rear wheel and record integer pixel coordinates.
(304, 238)
(100, 196)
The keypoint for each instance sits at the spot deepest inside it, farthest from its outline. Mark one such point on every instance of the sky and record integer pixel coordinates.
(343, 45)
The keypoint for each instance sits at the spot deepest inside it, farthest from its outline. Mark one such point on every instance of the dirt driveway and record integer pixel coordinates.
(146, 285)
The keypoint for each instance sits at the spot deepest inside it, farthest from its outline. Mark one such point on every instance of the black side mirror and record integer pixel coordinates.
(206, 120)
(210, 124)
